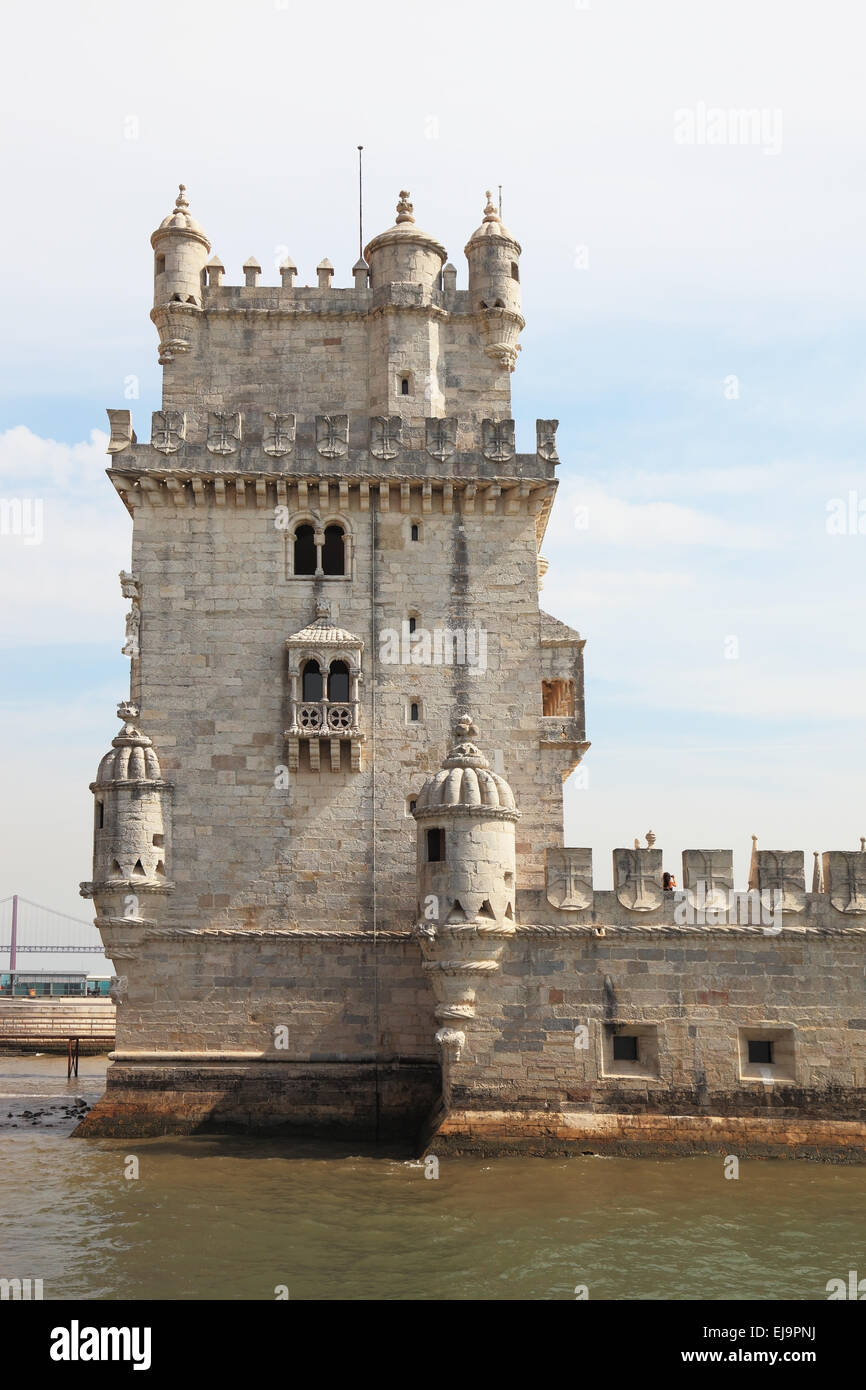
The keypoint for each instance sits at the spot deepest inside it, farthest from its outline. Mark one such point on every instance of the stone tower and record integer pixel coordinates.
(335, 555)
(318, 926)
(466, 818)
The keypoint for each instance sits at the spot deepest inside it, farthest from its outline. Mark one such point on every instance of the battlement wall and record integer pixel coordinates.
(706, 895)
(691, 1001)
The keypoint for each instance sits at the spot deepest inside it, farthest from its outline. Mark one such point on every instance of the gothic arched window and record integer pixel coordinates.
(305, 550)
(333, 551)
(338, 682)
(312, 682)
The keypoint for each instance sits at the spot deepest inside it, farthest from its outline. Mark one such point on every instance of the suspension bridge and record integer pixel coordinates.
(47, 939)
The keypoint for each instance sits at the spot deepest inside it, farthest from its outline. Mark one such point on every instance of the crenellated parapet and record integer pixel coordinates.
(775, 897)
(401, 337)
(283, 458)
(265, 438)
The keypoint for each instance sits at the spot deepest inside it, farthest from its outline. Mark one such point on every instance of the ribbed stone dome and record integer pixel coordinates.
(179, 218)
(131, 758)
(491, 227)
(465, 780)
(405, 230)
(466, 786)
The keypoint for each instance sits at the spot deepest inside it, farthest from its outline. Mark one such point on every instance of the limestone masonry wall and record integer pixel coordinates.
(328, 850)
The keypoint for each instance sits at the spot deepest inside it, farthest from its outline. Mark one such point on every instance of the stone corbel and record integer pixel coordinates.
(452, 1042)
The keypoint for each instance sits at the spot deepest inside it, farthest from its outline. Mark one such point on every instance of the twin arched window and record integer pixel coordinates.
(319, 557)
(314, 682)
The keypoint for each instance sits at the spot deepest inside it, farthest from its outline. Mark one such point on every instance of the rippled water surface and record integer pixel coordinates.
(235, 1218)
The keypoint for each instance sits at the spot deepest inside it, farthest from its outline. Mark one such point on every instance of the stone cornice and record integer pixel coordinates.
(442, 811)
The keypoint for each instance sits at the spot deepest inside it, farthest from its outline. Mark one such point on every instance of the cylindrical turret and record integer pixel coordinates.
(131, 813)
(404, 254)
(405, 278)
(494, 286)
(465, 815)
(180, 250)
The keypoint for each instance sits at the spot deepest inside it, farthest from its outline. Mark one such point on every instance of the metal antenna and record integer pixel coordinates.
(360, 204)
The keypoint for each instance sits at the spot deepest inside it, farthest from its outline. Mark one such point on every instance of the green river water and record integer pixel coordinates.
(236, 1218)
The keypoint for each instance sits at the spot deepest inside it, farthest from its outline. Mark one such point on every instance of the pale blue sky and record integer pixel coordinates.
(652, 272)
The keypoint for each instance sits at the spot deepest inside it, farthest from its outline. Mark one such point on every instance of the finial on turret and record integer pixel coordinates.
(650, 839)
(490, 212)
(464, 726)
(180, 201)
(404, 207)
(863, 844)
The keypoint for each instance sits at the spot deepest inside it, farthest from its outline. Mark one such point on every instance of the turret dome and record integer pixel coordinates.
(405, 232)
(465, 780)
(492, 226)
(179, 218)
(131, 757)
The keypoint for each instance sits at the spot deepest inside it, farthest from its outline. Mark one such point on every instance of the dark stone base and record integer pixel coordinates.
(549, 1133)
(385, 1102)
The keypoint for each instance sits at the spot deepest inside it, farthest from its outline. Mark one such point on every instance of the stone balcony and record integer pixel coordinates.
(324, 719)
(324, 722)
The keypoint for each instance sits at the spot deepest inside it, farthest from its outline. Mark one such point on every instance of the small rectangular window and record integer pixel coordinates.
(761, 1051)
(435, 846)
(624, 1048)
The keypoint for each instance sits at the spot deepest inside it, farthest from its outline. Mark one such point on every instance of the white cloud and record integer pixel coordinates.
(28, 461)
(63, 589)
(597, 515)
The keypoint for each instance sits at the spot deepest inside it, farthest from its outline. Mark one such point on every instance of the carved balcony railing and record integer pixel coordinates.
(324, 719)
(320, 722)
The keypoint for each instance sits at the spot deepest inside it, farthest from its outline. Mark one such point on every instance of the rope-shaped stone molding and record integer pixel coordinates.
(462, 967)
(644, 931)
(719, 933)
(270, 933)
